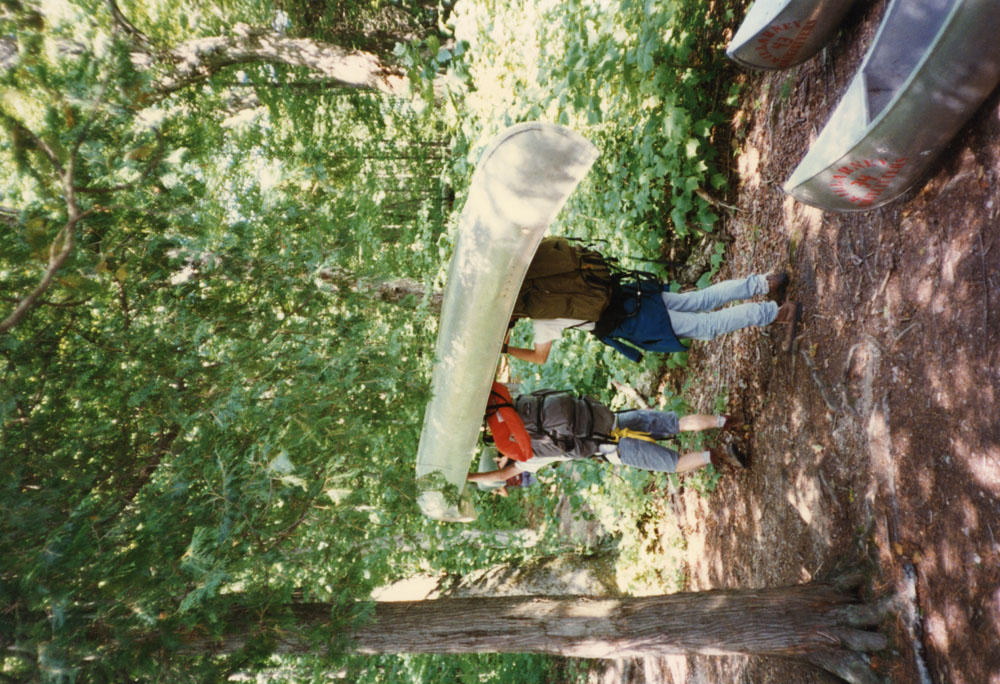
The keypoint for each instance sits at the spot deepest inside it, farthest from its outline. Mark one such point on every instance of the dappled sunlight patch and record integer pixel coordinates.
(756, 518)
(935, 384)
(937, 631)
(970, 515)
(927, 483)
(798, 415)
(806, 498)
(952, 258)
(749, 166)
(940, 301)
(802, 222)
(810, 218)
(960, 374)
(415, 588)
(676, 665)
(925, 291)
(949, 561)
(828, 282)
(955, 621)
(985, 468)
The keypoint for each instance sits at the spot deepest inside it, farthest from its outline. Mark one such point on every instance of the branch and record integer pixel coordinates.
(199, 59)
(39, 143)
(124, 303)
(632, 393)
(55, 263)
(122, 22)
(8, 216)
(56, 260)
(56, 305)
(713, 201)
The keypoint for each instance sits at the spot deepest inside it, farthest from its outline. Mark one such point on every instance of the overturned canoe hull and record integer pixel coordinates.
(778, 34)
(932, 64)
(522, 180)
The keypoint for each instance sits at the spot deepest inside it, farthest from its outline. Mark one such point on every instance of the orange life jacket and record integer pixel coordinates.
(506, 425)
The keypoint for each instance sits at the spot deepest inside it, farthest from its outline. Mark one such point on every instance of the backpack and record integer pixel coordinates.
(505, 425)
(563, 424)
(569, 281)
(565, 281)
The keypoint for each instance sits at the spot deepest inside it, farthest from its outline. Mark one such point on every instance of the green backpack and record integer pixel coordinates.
(565, 281)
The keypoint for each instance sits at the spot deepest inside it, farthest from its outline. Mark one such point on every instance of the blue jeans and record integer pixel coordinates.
(692, 315)
(639, 453)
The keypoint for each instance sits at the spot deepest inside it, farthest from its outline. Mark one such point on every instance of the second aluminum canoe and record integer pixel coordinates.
(778, 34)
(932, 64)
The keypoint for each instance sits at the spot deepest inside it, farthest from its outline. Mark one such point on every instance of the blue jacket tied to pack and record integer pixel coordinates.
(637, 317)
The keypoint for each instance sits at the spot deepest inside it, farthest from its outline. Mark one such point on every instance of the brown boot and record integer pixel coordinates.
(727, 455)
(789, 314)
(777, 286)
(732, 424)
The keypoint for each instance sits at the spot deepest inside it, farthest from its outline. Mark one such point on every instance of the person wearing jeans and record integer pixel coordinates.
(637, 433)
(658, 318)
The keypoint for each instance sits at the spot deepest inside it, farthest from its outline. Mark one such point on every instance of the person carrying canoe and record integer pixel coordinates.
(567, 287)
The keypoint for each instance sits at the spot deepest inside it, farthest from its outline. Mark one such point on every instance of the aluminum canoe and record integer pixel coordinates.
(932, 64)
(521, 181)
(778, 34)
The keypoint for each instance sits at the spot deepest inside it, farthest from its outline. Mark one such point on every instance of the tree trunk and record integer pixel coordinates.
(816, 622)
(391, 291)
(196, 60)
(789, 621)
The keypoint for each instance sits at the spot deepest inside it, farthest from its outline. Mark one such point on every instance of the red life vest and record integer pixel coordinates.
(506, 426)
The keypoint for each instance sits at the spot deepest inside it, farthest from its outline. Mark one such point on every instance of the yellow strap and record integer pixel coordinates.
(619, 433)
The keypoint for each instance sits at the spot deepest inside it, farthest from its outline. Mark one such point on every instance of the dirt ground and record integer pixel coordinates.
(879, 435)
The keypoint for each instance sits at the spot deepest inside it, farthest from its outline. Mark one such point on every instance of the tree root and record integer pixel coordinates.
(823, 392)
(867, 614)
(849, 666)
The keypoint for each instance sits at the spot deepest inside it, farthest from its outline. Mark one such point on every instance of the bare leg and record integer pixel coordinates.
(698, 421)
(693, 460)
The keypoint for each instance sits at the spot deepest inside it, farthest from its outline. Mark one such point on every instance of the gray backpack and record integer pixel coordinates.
(563, 424)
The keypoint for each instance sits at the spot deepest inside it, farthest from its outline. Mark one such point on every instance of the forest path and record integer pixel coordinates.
(879, 435)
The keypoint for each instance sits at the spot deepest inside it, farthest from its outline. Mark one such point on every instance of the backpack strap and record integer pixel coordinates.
(618, 434)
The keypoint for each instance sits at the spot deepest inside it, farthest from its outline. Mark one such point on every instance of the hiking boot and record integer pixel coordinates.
(733, 424)
(727, 455)
(777, 286)
(789, 314)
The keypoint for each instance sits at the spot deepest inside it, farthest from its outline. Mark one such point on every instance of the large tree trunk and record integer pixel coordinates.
(815, 622)
(197, 60)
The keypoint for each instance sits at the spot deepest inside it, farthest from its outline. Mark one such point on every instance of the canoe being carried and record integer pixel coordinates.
(777, 34)
(522, 180)
(932, 64)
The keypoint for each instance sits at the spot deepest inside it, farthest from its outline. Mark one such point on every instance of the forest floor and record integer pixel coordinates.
(878, 436)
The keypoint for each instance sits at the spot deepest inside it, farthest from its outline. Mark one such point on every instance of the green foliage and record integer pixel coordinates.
(642, 80)
(209, 413)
